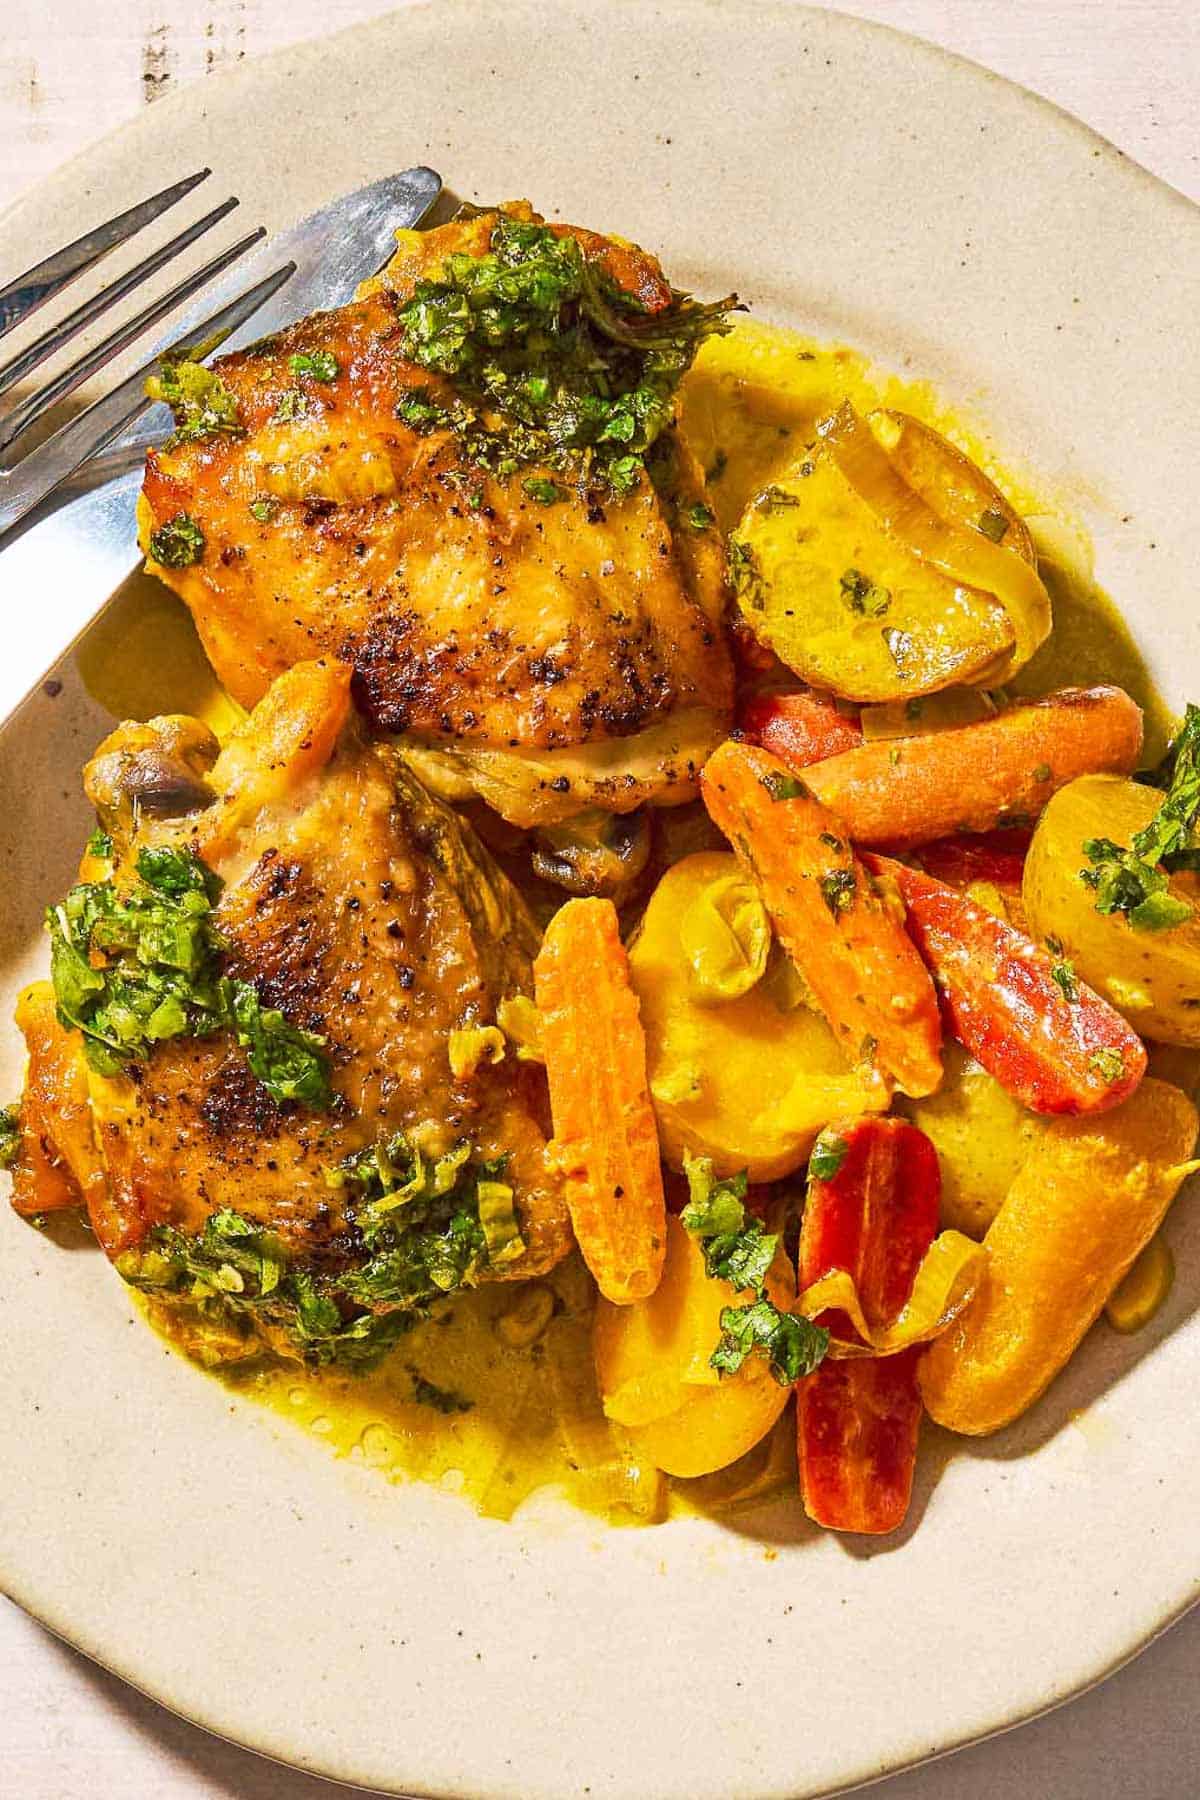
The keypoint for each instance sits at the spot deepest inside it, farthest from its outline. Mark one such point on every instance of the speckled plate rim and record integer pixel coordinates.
(1061, 210)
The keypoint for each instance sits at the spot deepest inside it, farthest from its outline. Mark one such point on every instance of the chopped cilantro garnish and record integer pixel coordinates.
(99, 844)
(543, 490)
(837, 890)
(861, 595)
(1108, 1063)
(263, 508)
(569, 366)
(828, 1155)
(699, 516)
(783, 787)
(136, 966)
(178, 543)
(792, 1344)
(203, 406)
(318, 365)
(1063, 975)
(745, 576)
(993, 524)
(291, 404)
(428, 1241)
(10, 1136)
(1135, 881)
(739, 1251)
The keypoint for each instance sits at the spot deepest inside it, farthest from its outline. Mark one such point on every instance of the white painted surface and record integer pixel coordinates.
(73, 69)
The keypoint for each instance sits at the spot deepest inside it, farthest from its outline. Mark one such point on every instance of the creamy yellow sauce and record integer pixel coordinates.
(534, 1420)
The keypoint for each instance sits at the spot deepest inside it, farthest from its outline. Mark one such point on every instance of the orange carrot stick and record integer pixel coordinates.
(853, 952)
(605, 1134)
(903, 791)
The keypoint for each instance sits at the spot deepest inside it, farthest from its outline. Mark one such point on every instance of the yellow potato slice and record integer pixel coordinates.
(750, 1080)
(1151, 977)
(848, 605)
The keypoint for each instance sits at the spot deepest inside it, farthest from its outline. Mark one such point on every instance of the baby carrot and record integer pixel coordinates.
(1051, 1041)
(874, 1213)
(1090, 1196)
(799, 728)
(852, 951)
(908, 790)
(605, 1135)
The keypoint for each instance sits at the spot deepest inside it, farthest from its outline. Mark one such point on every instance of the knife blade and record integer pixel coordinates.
(62, 564)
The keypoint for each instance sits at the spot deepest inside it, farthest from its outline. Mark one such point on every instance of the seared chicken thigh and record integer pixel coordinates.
(468, 485)
(275, 992)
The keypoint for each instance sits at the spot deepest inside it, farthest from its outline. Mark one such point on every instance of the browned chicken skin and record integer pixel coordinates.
(365, 912)
(476, 618)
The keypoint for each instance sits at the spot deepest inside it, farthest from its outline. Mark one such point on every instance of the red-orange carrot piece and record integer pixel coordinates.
(853, 952)
(605, 1133)
(799, 728)
(903, 791)
(1051, 1041)
(997, 857)
(874, 1213)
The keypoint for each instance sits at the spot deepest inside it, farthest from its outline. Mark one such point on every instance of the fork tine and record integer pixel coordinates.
(47, 278)
(39, 473)
(50, 342)
(32, 408)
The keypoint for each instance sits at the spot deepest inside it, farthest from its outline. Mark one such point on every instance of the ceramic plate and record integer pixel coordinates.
(847, 180)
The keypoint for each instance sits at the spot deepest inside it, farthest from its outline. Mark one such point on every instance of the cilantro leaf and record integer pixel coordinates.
(10, 1135)
(738, 1250)
(1135, 881)
(572, 371)
(828, 1154)
(792, 1345)
(319, 365)
(136, 966)
(203, 406)
(178, 543)
(837, 890)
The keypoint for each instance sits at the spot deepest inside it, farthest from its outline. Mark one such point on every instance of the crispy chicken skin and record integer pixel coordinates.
(473, 616)
(356, 905)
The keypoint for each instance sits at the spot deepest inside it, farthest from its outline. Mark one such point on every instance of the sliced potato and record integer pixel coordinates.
(846, 604)
(1152, 977)
(748, 1081)
(655, 1377)
(982, 1137)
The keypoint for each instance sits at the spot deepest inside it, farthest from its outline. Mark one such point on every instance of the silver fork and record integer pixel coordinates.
(28, 475)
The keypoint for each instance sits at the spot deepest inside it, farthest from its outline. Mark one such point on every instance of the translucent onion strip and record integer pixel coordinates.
(946, 1281)
(958, 551)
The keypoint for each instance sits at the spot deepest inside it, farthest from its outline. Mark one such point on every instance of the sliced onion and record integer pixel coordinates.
(946, 1281)
(958, 551)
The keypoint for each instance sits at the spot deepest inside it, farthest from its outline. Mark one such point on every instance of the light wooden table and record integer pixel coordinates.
(71, 70)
